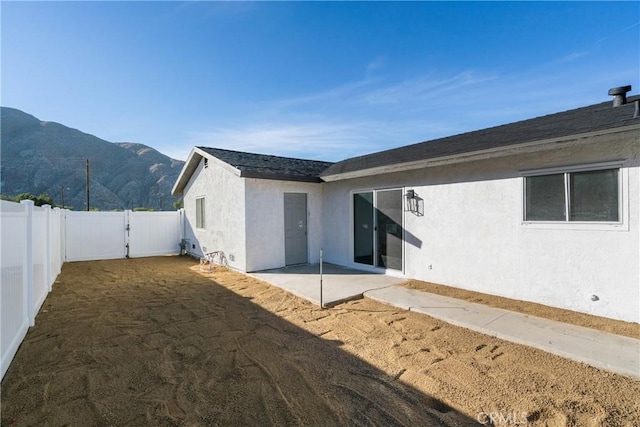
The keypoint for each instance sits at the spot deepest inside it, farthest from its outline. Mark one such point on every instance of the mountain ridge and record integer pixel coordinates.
(48, 157)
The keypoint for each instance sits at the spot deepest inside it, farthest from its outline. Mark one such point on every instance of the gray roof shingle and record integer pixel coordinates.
(270, 167)
(583, 120)
(594, 118)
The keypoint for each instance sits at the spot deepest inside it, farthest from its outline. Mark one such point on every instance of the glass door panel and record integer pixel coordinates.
(389, 229)
(377, 228)
(363, 228)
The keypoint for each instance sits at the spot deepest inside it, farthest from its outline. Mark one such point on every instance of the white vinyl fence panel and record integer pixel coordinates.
(30, 260)
(36, 241)
(56, 246)
(95, 235)
(13, 292)
(39, 251)
(154, 233)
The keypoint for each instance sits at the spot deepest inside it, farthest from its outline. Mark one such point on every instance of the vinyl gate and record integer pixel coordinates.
(112, 235)
(95, 235)
(154, 233)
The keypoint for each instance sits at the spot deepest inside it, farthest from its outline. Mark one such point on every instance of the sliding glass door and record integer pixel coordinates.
(363, 228)
(377, 228)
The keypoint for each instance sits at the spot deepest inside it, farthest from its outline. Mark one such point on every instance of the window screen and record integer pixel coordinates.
(200, 223)
(594, 195)
(585, 196)
(545, 198)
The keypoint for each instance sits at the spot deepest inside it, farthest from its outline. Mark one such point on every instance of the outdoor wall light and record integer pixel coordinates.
(411, 201)
(410, 198)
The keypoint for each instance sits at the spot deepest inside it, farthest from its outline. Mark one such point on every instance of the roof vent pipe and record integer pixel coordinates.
(619, 95)
(636, 113)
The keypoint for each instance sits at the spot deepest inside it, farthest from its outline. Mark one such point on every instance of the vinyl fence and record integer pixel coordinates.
(31, 254)
(36, 241)
(112, 235)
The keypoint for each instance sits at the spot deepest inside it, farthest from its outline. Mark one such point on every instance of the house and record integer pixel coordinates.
(545, 210)
(261, 211)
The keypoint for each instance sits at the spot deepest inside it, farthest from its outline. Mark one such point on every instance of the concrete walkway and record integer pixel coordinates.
(610, 352)
(602, 350)
(339, 284)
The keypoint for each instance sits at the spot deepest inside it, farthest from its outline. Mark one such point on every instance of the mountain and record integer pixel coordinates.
(47, 157)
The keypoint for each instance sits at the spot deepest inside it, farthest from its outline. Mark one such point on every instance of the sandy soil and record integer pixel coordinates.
(581, 319)
(157, 342)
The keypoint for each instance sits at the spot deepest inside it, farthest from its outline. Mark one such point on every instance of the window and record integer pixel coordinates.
(580, 196)
(200, 222)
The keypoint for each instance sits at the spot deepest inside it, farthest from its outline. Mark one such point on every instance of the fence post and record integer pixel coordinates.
(127, 231)
(181, 224)
(55, 243)
(28, 205)
(47, 257)
(60, 240)
(63, 236)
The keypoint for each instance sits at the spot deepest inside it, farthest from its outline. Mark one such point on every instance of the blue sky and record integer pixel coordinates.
(321, 80)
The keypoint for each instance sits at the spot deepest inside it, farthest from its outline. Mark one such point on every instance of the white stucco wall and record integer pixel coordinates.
(224, 213)
(472, 235)
(265, 221)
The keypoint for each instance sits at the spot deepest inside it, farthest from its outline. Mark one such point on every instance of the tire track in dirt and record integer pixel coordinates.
(156, 342)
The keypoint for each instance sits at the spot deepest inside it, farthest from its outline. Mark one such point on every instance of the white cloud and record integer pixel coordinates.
(424, 87)
(572, 57)
(375, 65)
(328, 140)
(307, 140)
(336, 94)
(372, 115)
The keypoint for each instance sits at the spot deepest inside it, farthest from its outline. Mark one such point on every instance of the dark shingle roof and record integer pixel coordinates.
(598, 117)
(594, 118)
(270, 167)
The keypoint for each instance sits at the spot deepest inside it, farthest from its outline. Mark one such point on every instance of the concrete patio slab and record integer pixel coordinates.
(339, 284)
(603, 350)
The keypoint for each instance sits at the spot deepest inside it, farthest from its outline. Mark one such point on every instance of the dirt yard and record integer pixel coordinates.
(157, 342)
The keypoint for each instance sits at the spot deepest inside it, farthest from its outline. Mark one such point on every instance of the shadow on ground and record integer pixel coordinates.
(150, 342)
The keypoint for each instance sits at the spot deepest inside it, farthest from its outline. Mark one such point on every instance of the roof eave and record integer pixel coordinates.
(528, 147)
(191, 165)
(279, 177)
(187, 171)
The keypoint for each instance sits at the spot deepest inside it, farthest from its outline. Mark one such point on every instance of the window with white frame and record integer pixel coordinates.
(588, 195)
(200, 217)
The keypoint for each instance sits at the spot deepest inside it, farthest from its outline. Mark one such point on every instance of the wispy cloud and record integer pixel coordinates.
(571, 57)
(423, 87)
(375, 65)
(331, 139)
(373, 97)
(363, 117)
(311, 140)
(335, 94)
(376, 114)
(627, 28)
